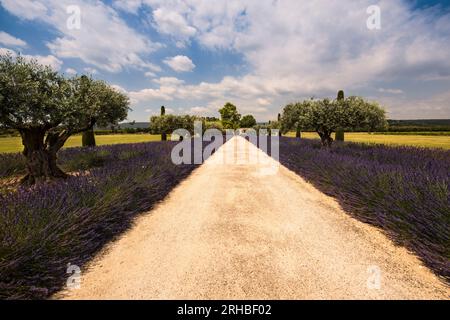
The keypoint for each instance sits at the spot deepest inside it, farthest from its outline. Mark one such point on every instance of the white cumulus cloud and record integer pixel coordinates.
(291, 50)
(9, 40)
(49, 60)
(298, 49)
(180, 63)
(391, 91)
(130, 6)
(168, 21)
(71, 71)
(103, 39)
(91, 71)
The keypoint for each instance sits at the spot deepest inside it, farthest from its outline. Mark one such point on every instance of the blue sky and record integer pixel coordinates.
(194, 55)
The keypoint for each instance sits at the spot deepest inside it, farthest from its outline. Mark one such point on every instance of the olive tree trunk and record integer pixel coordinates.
(325, 138)
(41, 160)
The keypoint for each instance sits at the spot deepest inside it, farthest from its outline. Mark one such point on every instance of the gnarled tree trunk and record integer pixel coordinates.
(41, 158)
(326, 139)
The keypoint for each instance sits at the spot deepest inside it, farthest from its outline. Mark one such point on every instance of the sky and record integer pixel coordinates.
(193, 56)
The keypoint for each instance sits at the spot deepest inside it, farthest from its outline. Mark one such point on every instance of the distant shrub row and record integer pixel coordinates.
(417, 133)
(122, 131)
(402, 128)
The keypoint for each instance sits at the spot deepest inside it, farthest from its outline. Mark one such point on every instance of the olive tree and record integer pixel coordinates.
(169, 123)
(290, 119)
(326, 116)
(46, 109)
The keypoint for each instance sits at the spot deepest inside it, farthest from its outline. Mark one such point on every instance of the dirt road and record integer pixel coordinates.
(237, 232)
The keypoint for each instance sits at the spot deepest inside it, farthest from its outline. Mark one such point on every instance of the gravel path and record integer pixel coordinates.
(236, 232)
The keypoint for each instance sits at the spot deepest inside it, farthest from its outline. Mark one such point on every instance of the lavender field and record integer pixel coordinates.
(45, 228)
(403, 190)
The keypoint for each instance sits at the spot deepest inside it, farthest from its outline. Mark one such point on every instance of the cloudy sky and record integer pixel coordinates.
(194, 55)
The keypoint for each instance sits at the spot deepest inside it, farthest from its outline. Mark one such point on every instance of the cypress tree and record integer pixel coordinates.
(340, 134)
(163, 134)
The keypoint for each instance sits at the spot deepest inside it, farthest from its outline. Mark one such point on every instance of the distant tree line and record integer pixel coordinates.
(165, 124)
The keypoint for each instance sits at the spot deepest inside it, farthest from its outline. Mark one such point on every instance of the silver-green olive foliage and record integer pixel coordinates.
(326, 116)
(168, 123)
(35, 96)
(46, 108)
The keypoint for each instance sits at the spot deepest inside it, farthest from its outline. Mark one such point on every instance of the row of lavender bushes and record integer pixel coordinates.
(45, 228)
(403, 190)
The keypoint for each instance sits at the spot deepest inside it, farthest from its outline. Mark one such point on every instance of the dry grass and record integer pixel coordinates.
(14, 144)
(406, 140)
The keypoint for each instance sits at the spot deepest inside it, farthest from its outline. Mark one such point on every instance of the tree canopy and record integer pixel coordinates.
(168, 123)
(248, 121)
(46, 109)
(326, 116)
(230, 116)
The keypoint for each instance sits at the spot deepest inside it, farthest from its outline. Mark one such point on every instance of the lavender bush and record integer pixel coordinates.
(11, 164)
(44, 228)
(403, 190)
(70, 159)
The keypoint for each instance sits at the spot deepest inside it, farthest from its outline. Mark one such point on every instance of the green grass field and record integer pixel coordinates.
(14, 144)
(407, 140)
